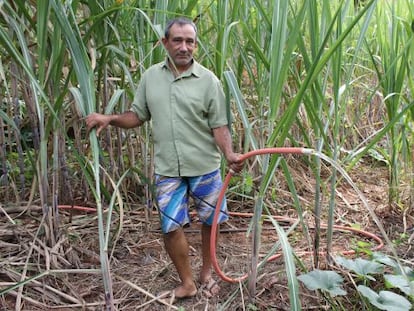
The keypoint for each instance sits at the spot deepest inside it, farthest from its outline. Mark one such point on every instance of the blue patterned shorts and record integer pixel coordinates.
(172, 195)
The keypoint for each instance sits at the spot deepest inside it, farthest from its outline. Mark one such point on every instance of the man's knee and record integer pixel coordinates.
(174, 234)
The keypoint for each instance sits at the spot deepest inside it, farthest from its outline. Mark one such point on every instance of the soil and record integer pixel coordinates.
(141, 269)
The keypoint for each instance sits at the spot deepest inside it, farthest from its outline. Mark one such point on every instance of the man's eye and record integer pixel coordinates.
(181, 40)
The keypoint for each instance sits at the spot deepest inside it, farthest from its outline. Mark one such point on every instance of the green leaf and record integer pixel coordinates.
(386, 260)
(329, 281)
(401, 283)
(247, 183)
(295, 303)
(360, 266)
(385, 300)
(113, 102)
(289, 268)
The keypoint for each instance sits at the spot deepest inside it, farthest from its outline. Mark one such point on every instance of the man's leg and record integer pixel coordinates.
(205, 273)
(177, 248)
(205, 190)
(172, 200)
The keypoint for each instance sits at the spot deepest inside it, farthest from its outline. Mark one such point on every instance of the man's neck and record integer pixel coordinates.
(177, 70)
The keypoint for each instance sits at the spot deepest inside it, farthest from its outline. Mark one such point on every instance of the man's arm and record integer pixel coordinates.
(125, 120)
(223, 140)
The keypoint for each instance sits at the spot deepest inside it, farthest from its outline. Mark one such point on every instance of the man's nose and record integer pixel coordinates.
(183, 46)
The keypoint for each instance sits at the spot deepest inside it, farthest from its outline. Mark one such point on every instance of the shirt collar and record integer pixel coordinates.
(194, 70)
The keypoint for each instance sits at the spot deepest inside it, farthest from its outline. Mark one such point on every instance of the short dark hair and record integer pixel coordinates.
(181, 21)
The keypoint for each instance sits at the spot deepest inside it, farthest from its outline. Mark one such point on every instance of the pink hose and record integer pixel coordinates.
(213, 238)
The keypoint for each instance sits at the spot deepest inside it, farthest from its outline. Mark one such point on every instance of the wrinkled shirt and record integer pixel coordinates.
(183, 111)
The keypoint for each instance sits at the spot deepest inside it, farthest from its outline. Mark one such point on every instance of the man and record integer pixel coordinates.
(186, 104)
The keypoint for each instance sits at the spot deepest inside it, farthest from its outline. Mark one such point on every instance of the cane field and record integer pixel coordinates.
(321, 98)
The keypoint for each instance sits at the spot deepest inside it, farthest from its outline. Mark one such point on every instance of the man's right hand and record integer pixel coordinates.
(100, 121)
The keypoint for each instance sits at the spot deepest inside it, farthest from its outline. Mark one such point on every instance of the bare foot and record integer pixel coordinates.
(185, 291)
(181, 292)
(210, 288)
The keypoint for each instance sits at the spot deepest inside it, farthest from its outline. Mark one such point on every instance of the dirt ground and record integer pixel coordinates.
(141, 269)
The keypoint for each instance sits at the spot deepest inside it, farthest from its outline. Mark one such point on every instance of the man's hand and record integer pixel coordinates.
(234, 162)
(223, 140)
(100, 121)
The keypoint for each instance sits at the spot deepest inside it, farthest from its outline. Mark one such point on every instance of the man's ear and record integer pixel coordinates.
(164, 40)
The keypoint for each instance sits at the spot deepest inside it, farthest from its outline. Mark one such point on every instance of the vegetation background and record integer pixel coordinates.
(334, 77)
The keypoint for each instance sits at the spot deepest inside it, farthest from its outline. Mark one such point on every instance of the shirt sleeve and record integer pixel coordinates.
(139, 104)
(218, 112)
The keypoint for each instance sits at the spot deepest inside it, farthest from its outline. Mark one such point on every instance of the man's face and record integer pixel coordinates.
(180, 45)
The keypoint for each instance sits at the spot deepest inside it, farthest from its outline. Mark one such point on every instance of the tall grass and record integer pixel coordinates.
(395, 48)
(297, 73)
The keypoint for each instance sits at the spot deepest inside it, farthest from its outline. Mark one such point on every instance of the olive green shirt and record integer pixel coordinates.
(183, 110)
